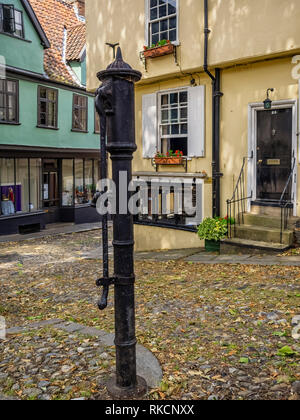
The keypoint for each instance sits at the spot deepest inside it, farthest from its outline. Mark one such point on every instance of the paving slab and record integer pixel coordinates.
(148, 366)
(52, 230)
(167, 255)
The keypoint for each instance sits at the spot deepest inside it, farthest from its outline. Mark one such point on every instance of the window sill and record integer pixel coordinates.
(47, 128)
(9, 123)
(79, 131)
(16, 37)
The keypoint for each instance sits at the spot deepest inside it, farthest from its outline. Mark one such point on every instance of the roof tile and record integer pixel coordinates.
(66, 34)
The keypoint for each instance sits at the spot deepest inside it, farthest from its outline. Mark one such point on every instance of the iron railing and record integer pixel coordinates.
(237, 206)
(286, 204)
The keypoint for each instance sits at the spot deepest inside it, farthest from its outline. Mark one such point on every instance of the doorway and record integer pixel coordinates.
(272, 150)
(274, 154)
(51, 201)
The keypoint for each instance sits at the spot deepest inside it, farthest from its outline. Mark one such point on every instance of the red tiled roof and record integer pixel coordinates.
(59, 21)
(76, 42)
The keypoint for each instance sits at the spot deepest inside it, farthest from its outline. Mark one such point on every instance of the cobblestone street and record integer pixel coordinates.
(221, 331)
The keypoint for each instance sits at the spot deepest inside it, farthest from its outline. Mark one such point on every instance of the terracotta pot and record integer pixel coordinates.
(159, 51)
(169, 161)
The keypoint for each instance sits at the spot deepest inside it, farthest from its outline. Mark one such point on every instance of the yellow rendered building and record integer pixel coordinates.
(203, 93)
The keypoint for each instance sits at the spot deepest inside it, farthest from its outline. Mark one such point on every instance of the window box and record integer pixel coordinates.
(159, 51)
(169, 160)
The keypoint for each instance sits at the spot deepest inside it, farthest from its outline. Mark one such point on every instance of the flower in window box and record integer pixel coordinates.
(163, 47)
(170, 158)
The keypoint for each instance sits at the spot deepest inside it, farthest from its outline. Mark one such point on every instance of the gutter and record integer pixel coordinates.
(216, 117)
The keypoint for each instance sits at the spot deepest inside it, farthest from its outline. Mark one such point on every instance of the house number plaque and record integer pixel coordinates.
(273, 162)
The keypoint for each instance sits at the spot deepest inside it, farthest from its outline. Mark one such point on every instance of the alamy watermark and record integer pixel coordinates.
(156, 196)
(2, 328)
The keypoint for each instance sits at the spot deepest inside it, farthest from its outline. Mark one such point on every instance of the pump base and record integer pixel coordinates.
(139, 391)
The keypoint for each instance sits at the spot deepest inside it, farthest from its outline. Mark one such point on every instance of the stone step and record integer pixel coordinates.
(263, 234)
(237, 243)
(268, 221)
(267, 210)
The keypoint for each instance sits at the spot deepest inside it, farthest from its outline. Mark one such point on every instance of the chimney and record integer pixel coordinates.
(79, 5)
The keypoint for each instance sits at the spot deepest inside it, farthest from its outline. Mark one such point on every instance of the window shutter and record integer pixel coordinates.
(147, 23)
(9, 18)
(149, 125)
(196, 119)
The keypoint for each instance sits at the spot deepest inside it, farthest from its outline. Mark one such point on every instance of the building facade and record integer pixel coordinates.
(49, 146)
(203, 93)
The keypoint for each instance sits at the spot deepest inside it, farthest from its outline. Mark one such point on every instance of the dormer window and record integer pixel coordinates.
(162, 21)
(11, 21)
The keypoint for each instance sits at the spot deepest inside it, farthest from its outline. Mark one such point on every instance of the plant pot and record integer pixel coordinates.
(159, 51)
(212, 246)
(169, 161)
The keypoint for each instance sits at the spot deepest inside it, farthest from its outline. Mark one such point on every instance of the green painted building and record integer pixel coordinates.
(49, 141)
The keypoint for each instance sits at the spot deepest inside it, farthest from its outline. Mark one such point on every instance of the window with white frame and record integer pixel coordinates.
(173, 121)
(162, 22)
(11, 20)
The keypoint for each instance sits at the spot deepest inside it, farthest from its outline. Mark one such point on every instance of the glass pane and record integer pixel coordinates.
(43, 106)
(172, 23)
(155, 27)
(164, 100)
(18, 17)
(172, 35)
(89, 186)
(175, 129)
(68, 182)
(97, 122)
(164, 25)
(22, 186)
(184, 128)
(43, 92)
(174, 98)
(7, 187)
(183, 114)
(43, 118)
(153, 3)
(2, 100)
(35, 184)
(179, 144)
(96, 171)
(51, 95)
(79, 187)
(153, 14)
(51, 114)
(183, 97)
(165, 116)
(155, 39)
(174, 115)
(1, 85)
(11, 115)
(165, 130)
(164, 35)
(11, 86)
(172, 7)
(162, 11)
(2, 114)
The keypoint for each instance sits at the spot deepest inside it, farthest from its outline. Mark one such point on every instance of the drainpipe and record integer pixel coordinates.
(216, 116)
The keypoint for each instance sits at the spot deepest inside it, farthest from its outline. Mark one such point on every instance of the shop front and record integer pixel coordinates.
(36, 191)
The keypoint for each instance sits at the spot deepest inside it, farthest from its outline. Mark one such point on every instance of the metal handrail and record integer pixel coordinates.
(237, 204)
(285, 204)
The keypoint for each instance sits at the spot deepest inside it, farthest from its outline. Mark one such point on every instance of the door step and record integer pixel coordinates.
(268, 221)
(258, 245)
(264, 234)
